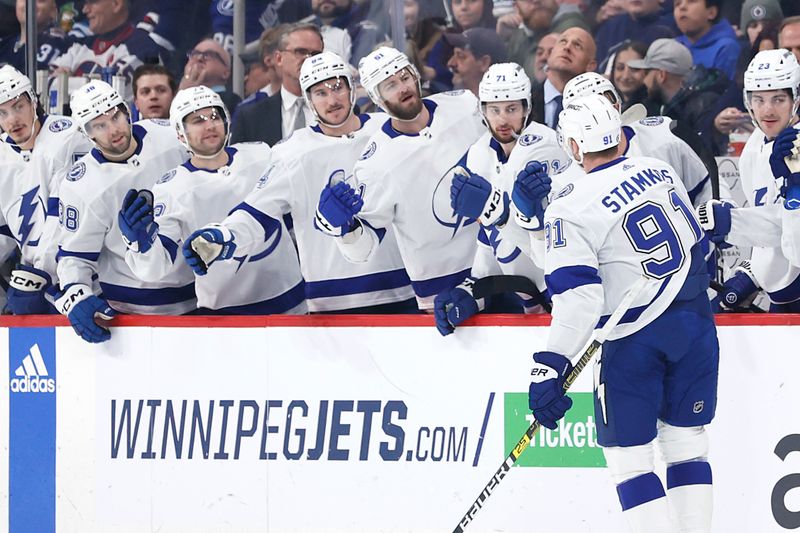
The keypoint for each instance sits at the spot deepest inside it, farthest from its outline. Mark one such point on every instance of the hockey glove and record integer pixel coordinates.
(546, 396)
(137, 220)
(715, 219)
(529, 195)
(84, 309)
(740, 289)
(453, 306)
(784, 163)
(473, 196)
(26, 290)
(206, 245)
(338, 204)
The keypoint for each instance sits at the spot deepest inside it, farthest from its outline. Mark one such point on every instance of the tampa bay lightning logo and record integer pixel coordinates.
(225, 8)
(565, 191)
(168, 176)
(60, 124)
(505, 253)
(264, 177)
(369, 152)
(76, 172)
(651, 121)
(441, 209)
(529, 139)
(273, 231)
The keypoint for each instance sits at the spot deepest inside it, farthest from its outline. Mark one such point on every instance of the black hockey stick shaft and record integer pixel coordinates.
(598, 340)
(507, 283)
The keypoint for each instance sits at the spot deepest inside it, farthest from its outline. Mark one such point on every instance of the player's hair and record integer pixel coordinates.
(149, 69)
(297, 26)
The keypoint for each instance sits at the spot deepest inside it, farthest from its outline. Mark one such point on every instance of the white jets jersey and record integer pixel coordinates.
(301, 167)
(652, 137)
(266, 278)
(625, 218)
(760, 226)
(57, 147)
(91, 242)
(405, 183)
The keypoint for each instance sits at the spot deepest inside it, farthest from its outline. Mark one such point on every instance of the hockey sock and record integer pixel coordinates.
(690, 495)
(644, 504)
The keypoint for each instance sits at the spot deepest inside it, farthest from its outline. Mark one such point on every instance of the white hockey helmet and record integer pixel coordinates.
(590, 83)
(592, 122)
(189, 100)
(13, 83)
(505, 82)
(770, 70)
(321, 67)
(92, 100)
(380, 64)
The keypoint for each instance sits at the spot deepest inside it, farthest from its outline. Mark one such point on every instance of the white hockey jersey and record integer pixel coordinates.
(91, 242)
(626, 217)
(761, 225)
(405, 183)
(301, 166)
(266, 279)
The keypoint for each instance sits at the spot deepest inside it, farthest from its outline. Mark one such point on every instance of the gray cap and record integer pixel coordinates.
(758, 10)
(666, 54)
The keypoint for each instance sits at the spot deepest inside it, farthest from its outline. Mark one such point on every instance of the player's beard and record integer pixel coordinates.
(206, 151)
(405, 111)
(119, 149)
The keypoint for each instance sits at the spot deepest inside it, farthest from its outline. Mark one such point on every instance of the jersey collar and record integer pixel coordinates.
(393, 133)
(629, 133)
(609, 164)
(230, 150)
(138, 133)
(14, 146)
(501, 155)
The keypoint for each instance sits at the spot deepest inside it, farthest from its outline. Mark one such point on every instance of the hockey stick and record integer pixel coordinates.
(598, 339)
(501, 284)
(720, 288)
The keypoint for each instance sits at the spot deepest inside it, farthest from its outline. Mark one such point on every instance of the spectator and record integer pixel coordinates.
(533, 20)
(543, 50)
(154, 87)
(684, 93)
(276, 117)
(767, 39)
(116, 43)
(473, 52)
(789, 36)
(644, 20)
(472, 14)
(710, 38)
(209, 64)
(755, 14)
(335, 39)
(573, 54)
(424, 33)
(345, 28)
(628, 81)
(51, 40)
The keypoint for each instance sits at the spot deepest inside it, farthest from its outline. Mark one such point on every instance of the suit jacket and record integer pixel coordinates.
(537, 102)
(259, 121)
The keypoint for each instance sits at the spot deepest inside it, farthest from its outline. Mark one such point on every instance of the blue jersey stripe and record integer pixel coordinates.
(170, 246)
(378, 281)
(89, 256)
(571, 277)
(279, 304)
(432, 287)
(163, 296)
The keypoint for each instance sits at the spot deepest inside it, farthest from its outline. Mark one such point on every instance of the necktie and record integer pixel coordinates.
(559, 108)
(299, 117)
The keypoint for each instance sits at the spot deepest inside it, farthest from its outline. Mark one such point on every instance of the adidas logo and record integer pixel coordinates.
(32, 374)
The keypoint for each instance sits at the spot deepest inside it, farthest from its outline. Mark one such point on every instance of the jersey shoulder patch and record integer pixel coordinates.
(77, 171)
(565, 191)
(652, 121)
(369, 152)
(529, 139)
(60, 124)
(168, 176)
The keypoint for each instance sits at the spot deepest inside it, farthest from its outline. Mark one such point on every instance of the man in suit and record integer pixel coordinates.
(275, 118)
(573, 54)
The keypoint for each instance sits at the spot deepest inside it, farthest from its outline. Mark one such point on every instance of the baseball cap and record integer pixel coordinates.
(666, 54)
(758, 10)
(481, 42)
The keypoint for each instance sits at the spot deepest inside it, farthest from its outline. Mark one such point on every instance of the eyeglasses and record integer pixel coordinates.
(204, 55)
(302, 52)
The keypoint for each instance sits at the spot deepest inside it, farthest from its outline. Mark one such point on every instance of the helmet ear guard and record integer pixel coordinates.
(592, 122)
(321, 67)
(186, 102)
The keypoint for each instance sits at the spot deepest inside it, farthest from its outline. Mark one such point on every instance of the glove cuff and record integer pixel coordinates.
(495, 211)
(561, 364)
(72, 295)
(28, 279)
(744, 268)
(527, 223)
(323, 225)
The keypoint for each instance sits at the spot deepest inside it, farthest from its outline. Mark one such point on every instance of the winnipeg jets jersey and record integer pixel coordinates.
(405, 181)
(625, 218)
(760, 226)
(265, 278)
(652, 137)
(301, 167)
(91, 242)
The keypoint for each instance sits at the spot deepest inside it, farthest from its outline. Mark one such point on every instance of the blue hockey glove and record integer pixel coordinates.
(715, 219)
(453, 306)
(26, 290)
(137, 221)
(84, 309)
(782, 147)
(206, 245)
(338, 204)
(473, 196)
(740, 289)
(529, 195)
(546, 396)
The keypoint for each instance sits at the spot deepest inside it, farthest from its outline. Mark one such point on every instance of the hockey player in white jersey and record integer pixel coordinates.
(403, 178)
(482, 191)
(312, 160)
(657, 378)
(772, 97)
(125, 157)
(264, 280)
(36, 152)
